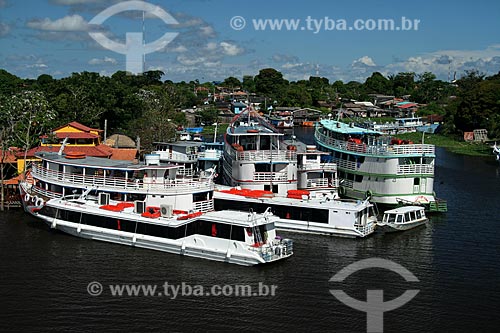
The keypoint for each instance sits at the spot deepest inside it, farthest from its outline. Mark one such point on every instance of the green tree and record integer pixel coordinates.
(156, 123)
(9, 83)
(403, 83)
(270, 83)
(248, 83)
(297, 95)
(29, 115)
(231, 82)
(378, 84)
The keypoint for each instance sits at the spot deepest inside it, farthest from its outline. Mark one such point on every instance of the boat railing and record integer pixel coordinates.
(210, 153)
(117, 183)
(415, 169)
(270, 176)
(316, 166)
(176, 156)
(185, 172)
(347, 183)
(350, 165)
(365, 230)
(203, 206)
(321, 182)
(276, 250)
(46, 193)
(265, 155)
(379, 148)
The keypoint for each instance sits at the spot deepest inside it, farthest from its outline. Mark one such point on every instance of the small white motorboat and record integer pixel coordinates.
(402, 218)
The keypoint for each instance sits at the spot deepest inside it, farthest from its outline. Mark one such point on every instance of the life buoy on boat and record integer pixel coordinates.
(39, 201)
(342, 190)
(27, 198)
(368, 194)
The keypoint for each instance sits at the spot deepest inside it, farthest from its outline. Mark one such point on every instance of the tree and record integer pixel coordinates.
(248, 83)
(231, 82)
(403, 83)
(378, 84)
(9, 83)
(270, 83)
(29, 115)
(297, 95)
(156, 124)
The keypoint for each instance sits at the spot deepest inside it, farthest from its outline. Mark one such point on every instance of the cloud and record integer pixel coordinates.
(4, 29)
(231, 49)
(40, 66)
(444, 63)
(207, 31)
(283, 58)
(105, 60)
(67, 23)
(363, 62)
(178, 49)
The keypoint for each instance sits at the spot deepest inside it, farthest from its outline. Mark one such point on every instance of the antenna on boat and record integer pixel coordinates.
(215, 132)
(143, 42)
(63, 145)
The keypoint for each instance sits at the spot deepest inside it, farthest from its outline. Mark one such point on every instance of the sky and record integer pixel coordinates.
(210, 40)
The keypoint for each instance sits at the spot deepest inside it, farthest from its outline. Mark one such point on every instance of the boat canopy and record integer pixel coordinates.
(343, 128)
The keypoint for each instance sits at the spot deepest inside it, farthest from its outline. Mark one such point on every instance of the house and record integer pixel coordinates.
(80, 138)
(238, 107)
(122, 147)
(306, 115)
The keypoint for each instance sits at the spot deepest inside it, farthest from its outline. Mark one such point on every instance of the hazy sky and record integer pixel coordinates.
(346, 40)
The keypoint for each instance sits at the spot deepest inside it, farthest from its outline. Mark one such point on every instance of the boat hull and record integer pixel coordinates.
(327, 230)
(193, 246)
(393, 227)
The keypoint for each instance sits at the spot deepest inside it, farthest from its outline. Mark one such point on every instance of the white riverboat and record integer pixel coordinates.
(62, 174)
(402, 218)
(305, 211)
(385, 169)
(254, 158)
(227, 236)
(314, 172)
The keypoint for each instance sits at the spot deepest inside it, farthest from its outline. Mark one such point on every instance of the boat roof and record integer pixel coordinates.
(249, 119)
(230, 217)
(302, 147)
(404, 209)
(100, 162)
(239, 218)
(318, 202)
(338, 126)
(183, 143)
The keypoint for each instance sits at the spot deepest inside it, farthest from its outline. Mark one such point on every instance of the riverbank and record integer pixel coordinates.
(454, 144)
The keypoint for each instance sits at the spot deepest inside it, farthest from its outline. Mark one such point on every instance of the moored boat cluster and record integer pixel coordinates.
(177, 202)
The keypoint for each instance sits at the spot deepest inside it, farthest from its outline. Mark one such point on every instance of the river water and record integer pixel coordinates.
(456, 258)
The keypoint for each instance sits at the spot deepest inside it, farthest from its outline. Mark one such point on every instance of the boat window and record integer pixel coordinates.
(418, 214)
(407, 217)
(413, 216)
(399, 218)
(391, 218)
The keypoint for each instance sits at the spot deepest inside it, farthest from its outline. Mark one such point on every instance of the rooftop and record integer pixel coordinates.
(338, 126)
(101, 163)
